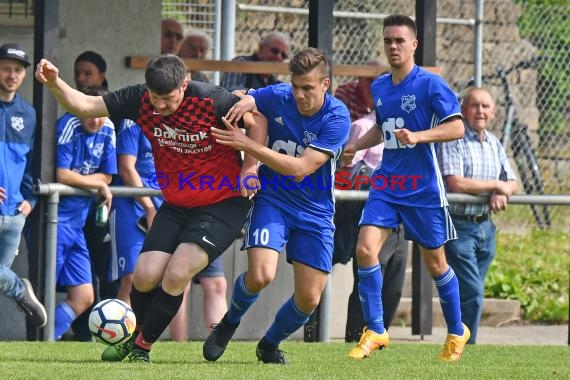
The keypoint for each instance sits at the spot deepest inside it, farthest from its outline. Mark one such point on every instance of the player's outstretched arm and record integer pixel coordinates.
(297, 167)
(371, 138)
(69, 98)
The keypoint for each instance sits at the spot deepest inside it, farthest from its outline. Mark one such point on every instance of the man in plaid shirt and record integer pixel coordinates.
(476, 164)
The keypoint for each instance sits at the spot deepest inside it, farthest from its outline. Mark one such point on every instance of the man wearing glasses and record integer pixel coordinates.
(171, 34)
(274, 47)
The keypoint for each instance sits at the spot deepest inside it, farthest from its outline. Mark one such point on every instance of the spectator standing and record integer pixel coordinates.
(476, 164)
(86, 158)
(274, 47)
(171, 35)
(415, 110)
(17, 199)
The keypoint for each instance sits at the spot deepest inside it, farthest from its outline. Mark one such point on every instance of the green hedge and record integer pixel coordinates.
(534, 269)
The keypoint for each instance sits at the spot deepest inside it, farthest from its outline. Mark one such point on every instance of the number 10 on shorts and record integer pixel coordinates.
(261, 237)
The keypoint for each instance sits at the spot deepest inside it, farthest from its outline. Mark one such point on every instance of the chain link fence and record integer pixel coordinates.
(515, 34)
(193, 15)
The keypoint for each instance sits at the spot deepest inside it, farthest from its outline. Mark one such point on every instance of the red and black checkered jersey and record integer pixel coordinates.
(192, 170)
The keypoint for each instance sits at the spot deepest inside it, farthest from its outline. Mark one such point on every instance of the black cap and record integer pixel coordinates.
(15, 52)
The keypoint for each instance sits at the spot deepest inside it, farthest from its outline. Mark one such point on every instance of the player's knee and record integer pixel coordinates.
(144, 280)
(257, 281)
(214, 286)
(174, 281)
(436, 266)
(80, 303)
(308, 302)
(365, 255)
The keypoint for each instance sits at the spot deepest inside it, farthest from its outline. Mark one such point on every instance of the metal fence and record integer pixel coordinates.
(54, 191)
(514, 35)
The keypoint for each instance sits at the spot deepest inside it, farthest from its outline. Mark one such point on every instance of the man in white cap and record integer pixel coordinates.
(17, 126)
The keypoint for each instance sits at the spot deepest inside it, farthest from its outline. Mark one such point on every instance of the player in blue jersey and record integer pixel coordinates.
(85, 157)
(295, 205)
(414, 110)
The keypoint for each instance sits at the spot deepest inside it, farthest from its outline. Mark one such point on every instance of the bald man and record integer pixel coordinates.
(171, 32)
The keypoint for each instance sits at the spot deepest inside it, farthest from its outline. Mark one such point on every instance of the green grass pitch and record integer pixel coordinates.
(73, 360)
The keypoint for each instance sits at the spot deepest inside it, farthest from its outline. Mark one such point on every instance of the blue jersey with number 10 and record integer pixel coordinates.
(291, 133)
(409, 174)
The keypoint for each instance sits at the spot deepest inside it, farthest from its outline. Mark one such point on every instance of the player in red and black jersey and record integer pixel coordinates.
(204, 207)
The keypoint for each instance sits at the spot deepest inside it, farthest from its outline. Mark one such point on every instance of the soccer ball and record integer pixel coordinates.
(112, 321)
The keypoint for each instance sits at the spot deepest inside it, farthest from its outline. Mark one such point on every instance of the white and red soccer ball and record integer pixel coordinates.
(112, 321)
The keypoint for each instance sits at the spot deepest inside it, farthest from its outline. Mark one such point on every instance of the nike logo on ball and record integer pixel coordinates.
(111, 333)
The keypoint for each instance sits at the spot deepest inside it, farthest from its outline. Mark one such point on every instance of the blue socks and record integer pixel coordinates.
(64, 315)
(242, 299)
(448, 289)
(287, 320)
(370, 291)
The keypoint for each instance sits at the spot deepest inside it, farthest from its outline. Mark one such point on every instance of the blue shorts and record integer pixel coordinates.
(73, 266)
(215, 269)
(126, 238)
(429, 227)
(309, 239)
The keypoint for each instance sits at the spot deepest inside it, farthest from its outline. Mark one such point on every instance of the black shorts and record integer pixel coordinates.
(213, 227)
